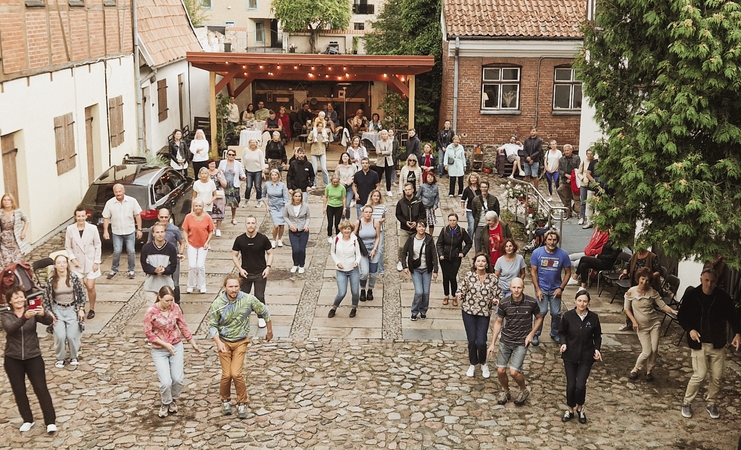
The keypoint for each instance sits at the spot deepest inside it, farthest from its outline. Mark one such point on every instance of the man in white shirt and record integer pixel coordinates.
(123, 213)
(510, 151)
(233, 115)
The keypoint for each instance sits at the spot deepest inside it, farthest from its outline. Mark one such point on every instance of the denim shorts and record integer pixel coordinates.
(515, 354)
(531, 169)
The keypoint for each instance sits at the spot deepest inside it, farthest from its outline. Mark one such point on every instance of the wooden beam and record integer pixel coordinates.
(227, 79)
(412, 93)
(396, 84)
(242, 86)
(212, 111)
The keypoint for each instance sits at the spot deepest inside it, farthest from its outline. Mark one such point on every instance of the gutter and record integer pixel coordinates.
(455, 84)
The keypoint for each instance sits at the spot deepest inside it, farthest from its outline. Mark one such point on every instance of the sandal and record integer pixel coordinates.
(455, 301)
(445, 301)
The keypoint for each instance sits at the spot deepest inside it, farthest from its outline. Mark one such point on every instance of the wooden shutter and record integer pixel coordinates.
(64, 136)
(116, 120)
(162, 99)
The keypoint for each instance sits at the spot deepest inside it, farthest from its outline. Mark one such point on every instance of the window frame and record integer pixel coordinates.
(500, 82)
(572, 83)
(261, 25)
(359, 26)
(251, 8)
(201, 3)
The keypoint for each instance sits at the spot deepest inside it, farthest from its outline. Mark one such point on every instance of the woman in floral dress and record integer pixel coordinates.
(13, 228)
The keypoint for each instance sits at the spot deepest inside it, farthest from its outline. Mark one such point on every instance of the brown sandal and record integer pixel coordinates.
(445, 301)
(455, 301)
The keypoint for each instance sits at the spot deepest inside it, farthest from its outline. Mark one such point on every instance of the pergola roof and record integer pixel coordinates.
(393, 70)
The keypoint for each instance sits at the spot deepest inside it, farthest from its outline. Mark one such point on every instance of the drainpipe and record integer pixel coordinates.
(137, 83)
(455, 83)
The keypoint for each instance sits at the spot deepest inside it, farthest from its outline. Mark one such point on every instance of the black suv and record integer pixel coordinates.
(152, 186)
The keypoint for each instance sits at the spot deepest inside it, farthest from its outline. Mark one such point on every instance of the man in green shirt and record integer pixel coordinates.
(229, 327)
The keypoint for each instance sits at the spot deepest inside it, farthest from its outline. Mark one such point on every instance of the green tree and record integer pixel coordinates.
(665, 79)
(412, 27)
(312, 15)
(197, 15)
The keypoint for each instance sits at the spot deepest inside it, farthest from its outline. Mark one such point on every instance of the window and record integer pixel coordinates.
(362, 7)
(76, 3)
(116, 117)
(205, 4)
(109, 2)
(359, 26)
(162, 99)
(32, 3)
(229, 23)
(500, 88)
(259, 32)
(251, 4)
(64, 137)
(566, 89)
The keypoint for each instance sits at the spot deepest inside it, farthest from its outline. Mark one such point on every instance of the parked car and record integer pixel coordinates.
(153, 187)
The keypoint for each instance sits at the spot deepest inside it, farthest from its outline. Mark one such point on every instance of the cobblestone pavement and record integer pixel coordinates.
(376, 381)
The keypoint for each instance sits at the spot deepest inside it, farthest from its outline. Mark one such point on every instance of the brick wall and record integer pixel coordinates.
(488, 129)
(43, 39)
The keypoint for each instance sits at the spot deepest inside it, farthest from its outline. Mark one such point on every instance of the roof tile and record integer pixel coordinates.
(165, 30)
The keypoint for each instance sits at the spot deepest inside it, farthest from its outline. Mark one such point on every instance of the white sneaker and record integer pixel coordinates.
(522, 173)
(485, 371)
(26, 426)
(280, 243)
(470, 371)
(329, 240)
(273, 243)
(572, 281)
(580, 222)
(399, 267)
(294, 269)
(189, 291)
(261, 322)
(59, 364)
(218, 233)
(549, 199)
(301, 270)
(352, 203)
(512, 176)
(389, 193)
(51, 428)
(74, 362)
(259, 204)
(203, 290)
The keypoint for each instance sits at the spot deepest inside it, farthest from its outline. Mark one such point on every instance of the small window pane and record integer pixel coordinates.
(359, 26)
(491, 74)
(252, 4)
(564, 74)
(259, 32)
(510, 74)
(509, 96)
(490, 98)
(206, 4)
(577, 96)
(562, 96)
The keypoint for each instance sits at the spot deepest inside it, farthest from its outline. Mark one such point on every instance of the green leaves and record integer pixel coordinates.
(664, 78)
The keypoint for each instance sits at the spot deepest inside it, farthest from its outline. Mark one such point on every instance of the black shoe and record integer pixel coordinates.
(362, 295)
(353, 312)
(582, 416)
(567, 416)
(414, 318)
(649, 377)
(90, 314)
(369, 297)
(331, 313)
(633, 375)
(423, 316)
(111, 275)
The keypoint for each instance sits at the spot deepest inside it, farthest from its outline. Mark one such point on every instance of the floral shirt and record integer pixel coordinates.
(78, 293)
(479, 299)
(231, 320)
(166, 327)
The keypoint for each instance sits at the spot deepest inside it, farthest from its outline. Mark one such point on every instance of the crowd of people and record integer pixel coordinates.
(491, 294)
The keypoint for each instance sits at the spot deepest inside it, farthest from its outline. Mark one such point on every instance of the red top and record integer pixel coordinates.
(286, 121)
(596, 242)
(495, 242)
(198, 232)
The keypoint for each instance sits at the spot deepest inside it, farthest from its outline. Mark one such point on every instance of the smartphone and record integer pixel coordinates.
(34, 303)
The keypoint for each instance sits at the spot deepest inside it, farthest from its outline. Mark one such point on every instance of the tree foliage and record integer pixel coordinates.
(665, 79)
(412, 27)
(197, 15)
(312, 15)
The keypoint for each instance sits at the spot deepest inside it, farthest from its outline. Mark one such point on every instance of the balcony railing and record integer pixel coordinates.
(363, 9)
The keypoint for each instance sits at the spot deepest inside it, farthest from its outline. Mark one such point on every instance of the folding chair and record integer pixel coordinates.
(612, 275)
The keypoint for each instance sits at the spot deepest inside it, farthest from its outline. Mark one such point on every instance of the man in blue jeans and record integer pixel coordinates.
(546, 265)
(123, 213)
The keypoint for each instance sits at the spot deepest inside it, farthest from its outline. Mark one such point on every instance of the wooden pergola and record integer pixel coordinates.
(239, 70)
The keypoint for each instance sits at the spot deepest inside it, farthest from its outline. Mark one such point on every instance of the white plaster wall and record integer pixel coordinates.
(30, 105)
(198, 91)
(589, 132)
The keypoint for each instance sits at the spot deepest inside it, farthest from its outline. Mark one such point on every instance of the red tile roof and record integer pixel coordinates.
(165, 31)
(514, 18)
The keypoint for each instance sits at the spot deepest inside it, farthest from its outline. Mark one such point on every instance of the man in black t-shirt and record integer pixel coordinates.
(257, 257)
(364, 182)
(517, 334)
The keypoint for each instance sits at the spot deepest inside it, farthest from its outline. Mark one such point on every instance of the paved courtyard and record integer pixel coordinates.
(375, 381)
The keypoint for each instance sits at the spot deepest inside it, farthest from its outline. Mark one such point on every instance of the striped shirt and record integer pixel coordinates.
(519, 319)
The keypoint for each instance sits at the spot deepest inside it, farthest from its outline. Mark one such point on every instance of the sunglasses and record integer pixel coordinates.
(231, 154)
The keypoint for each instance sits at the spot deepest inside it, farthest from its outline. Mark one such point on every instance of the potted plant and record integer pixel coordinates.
(487, 168)
(355, 44)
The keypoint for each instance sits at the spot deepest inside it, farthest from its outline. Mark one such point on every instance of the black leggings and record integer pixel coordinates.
(587, 263)
(334, 215)
(452, 185)
(576, 381)
(388, 171)
(450, 272)
(17, 370)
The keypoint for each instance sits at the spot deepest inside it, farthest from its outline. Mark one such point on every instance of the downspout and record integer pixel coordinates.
(455, 83)
(137, 83)
(537, 87)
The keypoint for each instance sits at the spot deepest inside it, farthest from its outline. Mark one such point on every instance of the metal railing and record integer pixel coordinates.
(531, 205)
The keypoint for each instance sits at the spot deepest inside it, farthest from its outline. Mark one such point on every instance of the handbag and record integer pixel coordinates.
(361, 244)
(416, 262)
(451, 160)
(219, 193)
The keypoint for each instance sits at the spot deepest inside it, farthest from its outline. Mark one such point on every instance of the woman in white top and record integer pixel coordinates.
(410, 173)
(204, 189)
(233, 173)
(82, 242)
(375, 199)
(253, 161)
(356, 152)
(455, 163)
(346, 171)
(385, 158)
(346, 255)
(298, 217)
(319, 139)
(552, 158)
(199, 149)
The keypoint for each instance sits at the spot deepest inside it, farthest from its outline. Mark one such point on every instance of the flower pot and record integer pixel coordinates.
(486, 170)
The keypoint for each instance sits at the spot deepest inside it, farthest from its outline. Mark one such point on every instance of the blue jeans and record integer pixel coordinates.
(298, 241)
(470, 225)
(169, 371)
(555, 303)
(440, 162)
(368, 270)
(552, 179)
(315, 161)
(477, 328)
(379, 252)
(349, 195)
(422, 279)
(118, 242)
(583, 193)
(253, 179)
(343, 278)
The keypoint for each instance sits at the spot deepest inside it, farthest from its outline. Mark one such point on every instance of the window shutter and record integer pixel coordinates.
(162, 99)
